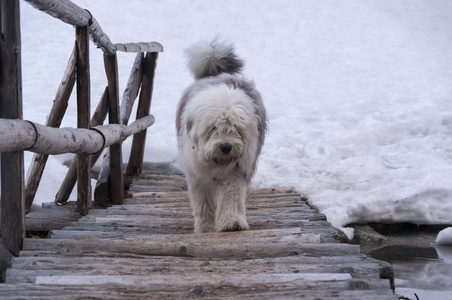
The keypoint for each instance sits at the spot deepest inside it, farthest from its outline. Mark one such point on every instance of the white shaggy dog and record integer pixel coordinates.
(221, 124)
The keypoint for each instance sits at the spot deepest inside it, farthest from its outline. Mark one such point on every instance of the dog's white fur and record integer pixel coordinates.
(221, 124)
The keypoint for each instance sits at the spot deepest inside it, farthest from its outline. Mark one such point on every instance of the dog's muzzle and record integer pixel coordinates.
(224, 156)
(225, 148)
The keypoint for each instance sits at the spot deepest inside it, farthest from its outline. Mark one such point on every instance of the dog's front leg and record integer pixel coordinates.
(202, 205)
(230, 214)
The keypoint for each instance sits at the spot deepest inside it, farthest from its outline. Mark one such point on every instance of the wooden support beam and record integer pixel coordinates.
(101, 192)
(69, 181)
(54, 119)
(116, 175)
(12, 163)
(132, 88)
(135, 164)
(84, 202)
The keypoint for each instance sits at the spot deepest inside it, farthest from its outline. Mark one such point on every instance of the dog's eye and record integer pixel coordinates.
(213, 129)
(238, 130)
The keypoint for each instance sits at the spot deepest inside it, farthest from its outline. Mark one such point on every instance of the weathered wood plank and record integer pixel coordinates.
(290, 264)
(135, 164)
(143, 267)
(291, 235)
(239, 280)
(51, 219)
(309, 290)
(12, 163)
(248, 249)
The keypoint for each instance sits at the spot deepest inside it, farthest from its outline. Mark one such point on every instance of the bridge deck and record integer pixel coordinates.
(145, 248)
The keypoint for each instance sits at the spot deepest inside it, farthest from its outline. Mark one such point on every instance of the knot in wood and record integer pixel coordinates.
(183, 250)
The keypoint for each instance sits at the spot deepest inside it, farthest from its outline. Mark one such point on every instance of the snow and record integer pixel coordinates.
(358, 93)
(444, 237)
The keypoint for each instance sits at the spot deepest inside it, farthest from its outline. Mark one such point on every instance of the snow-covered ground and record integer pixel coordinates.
(359, 93)
(444, 237)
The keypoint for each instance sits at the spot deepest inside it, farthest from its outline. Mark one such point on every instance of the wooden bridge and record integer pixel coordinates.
(142, 246)
(145, 249)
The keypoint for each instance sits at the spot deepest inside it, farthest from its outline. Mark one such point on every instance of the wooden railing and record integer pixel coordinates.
(89, 139)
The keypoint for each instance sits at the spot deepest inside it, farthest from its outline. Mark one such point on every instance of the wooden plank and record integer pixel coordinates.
(135, 164)
(70, 179)
(51, 219)
(95, 246)
(352, 264)
(143, 268)
(84, 201)
(54, 119)
(239, 280)
(291, 235)
(308, 290)
(12, 163)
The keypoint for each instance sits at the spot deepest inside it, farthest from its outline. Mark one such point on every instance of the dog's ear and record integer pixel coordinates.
(189, 125)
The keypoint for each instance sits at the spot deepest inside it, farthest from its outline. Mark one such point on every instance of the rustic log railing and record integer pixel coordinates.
(89, 138)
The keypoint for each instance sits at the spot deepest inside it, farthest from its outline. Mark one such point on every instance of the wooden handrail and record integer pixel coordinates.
(17, 135)
(73, 14)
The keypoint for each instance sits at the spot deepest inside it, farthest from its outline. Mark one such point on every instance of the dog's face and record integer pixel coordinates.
(222, 143)
(221, 127)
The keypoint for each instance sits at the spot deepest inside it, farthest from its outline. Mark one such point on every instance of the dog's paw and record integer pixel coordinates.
(236, 226)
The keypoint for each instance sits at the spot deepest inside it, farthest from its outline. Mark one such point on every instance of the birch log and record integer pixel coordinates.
(73, 14)
(139, 47)
(19, 135)
(54, 119)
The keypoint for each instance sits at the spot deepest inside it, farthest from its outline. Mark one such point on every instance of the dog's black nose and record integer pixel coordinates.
(226, 148)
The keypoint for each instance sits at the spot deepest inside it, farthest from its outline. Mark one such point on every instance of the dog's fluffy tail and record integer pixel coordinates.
(210, 59)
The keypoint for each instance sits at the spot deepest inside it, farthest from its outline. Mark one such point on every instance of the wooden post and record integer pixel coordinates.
(54, 119)
(101, 192)
(116, 174)
(12, 163)
(84, 201)
(69, 181)
(135, 164)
